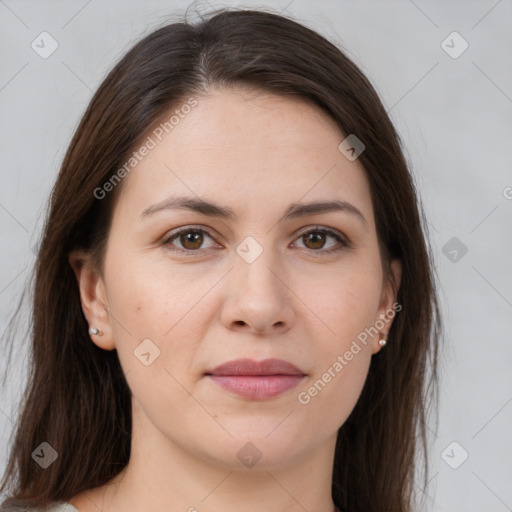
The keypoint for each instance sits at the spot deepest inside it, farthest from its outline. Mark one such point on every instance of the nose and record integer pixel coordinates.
(260, 302)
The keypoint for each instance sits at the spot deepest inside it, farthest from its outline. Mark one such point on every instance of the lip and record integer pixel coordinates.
(256, 380)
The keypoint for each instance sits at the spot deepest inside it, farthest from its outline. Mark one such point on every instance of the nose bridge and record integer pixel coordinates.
(256, 266)
(259, 297)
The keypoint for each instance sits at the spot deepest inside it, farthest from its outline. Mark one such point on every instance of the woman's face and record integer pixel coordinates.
(255, 277)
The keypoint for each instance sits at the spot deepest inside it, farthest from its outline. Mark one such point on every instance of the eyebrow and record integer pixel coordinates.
(210, 209)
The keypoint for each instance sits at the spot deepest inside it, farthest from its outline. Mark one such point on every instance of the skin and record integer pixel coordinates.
(256, 153)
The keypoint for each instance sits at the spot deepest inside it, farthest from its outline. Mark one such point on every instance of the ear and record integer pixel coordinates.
(93, 298)
(388, 306)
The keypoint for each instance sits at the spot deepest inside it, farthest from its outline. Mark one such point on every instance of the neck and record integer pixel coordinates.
(164, 477)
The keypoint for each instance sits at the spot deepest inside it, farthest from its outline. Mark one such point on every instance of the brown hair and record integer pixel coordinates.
(77, 398)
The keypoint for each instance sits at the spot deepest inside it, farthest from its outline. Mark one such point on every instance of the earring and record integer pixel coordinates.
(93, 331)
(382, 340)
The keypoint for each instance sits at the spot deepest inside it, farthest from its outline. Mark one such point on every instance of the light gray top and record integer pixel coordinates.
(54, 507)
(62, 507)
(58, 507)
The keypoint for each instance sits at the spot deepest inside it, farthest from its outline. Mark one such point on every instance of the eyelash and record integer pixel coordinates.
(344, 243)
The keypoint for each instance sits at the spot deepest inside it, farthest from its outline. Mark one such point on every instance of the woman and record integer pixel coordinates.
(234, 306)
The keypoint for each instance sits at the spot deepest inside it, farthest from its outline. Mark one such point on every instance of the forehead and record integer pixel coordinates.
(250, 147)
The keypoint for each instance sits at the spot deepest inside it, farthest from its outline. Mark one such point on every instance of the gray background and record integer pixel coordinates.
(453, 114)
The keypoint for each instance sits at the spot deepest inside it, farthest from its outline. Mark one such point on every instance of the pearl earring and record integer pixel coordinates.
(382, 341)
(93, 331)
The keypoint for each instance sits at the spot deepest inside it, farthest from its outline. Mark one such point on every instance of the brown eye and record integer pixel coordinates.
(191, 240)
(188, 240)
(314, 240)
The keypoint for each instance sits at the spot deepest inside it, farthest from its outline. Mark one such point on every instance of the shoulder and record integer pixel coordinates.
(53, 507)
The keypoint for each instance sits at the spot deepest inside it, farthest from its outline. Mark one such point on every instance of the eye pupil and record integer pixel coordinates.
(318, 240)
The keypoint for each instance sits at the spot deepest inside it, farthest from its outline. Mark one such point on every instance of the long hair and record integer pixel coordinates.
(77, 398)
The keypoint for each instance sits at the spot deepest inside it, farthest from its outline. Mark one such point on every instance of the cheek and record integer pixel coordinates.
(148, 300)
(156, 313)
(348, 306)
(349, 303)
(342, 358)
(331, 393)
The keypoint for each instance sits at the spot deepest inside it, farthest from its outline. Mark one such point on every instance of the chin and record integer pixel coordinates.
(255, 450)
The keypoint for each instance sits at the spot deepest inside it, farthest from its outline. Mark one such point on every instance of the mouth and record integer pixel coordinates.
(256, 380)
